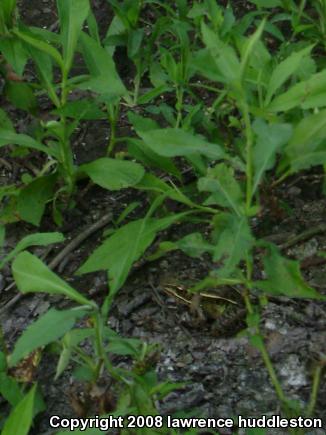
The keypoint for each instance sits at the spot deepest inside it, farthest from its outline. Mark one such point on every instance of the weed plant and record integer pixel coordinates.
(239, 102)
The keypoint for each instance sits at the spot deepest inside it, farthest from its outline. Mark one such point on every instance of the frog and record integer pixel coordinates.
(222, 308)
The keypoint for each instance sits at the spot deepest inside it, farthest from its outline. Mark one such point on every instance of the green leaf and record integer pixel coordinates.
(93, 27)
(44, 68)
(5, 123)
(124, 346)
(40, 45)
(143, 153)
(139, 150)
(307, 145)
(32, 199)
(152, 183)
(284, 70)
(233, 241)
(225, 58)
(193, 245)
(37, 239)
(249, 47)
(256, 431)
(104, 77)
(225, 189)
(8, 137)
(33, 276)
(203, 61)
(308, 94)
(8, 8)
(113, 174)
(21, 96)
(20, 419)
(81, 109)
(284, 278)
(270, 140)
(267, 3)
(70, 340)
(307, 134)
(313, 158)
(9, 389)
(172, 142)
(46, 329)
(124, 247)
(2, 235)
(14, 53)
(72, 15)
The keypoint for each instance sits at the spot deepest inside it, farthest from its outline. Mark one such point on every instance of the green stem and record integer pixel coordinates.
(178, 106)
(314, 391)
(3, 345)
(249, 163)
(282, 178)
(262, 348)
(113, 111)
(98, 326)
(209, 88)
(265, 356)
(137, 82)
(65, 148)
(103, 359)
(112, 140)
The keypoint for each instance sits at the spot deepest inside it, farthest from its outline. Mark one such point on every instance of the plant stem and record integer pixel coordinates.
(65, 148)
(113, 112)
(178, 106)
(98, 326)
(137, 82)
(265, 356)
(3, 345)
(249, 145)
(112, 142)
(314, 391)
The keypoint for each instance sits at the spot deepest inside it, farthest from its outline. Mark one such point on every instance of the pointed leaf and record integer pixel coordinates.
(20, 419)
(152, 183)
(233, 241)
(32, 199)
(307, 94)
(5, 123)
(284, 70)
(32, 275)
(113, 174)
(8, 137)
(46, 329)
(37, 239)
(172, 142)
(72, 15)
(249, 47)
(138, 149)
(40, 45)
(14, 53)
(81, 109)
(220, 181)
(9, 389)
(124, 247)
(284, 278)
(104, 77)
(270, 140)
(44, 68)
(307, 145)
(225, 58)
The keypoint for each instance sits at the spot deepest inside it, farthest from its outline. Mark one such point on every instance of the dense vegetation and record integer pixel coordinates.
(223, 104)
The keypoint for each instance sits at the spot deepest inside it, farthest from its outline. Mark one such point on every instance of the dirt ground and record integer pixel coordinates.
(224, 375)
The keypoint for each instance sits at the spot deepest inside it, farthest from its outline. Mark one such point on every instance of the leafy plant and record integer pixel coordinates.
(238, 103)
